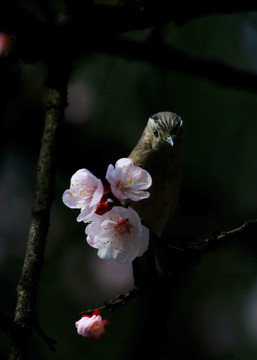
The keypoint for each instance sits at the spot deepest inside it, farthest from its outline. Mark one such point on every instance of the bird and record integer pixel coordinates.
(159, 152)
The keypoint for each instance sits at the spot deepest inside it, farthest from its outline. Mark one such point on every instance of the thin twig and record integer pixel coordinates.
(114, 304)
(187, 256)
(246, 230)
(51, 343)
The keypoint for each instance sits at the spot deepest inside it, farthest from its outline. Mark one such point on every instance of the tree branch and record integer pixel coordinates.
(44, 193)
(104, 22)
(247, 230)
(111, 305)
(37, 39)
(89, 22)
(115, 17)
(171, 58)
(185, 257)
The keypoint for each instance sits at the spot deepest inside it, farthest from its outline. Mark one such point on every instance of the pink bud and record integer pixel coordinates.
(91, 326)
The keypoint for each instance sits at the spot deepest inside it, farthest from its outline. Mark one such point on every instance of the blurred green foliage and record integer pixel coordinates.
(211, 314)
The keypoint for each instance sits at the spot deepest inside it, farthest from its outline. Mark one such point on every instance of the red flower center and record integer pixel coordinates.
(123, 226)
(103, 206)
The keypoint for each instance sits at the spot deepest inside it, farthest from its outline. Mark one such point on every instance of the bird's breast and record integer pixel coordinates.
(164, 191)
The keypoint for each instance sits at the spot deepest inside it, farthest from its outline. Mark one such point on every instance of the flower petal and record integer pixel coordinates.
(85, 192)
(98, 193)
(135, 195)
(118, 234)
(92, 229)
(86, 213)
(128, 181)
(70, 200)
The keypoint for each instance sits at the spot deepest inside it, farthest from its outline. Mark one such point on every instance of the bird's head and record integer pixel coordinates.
(166, 128)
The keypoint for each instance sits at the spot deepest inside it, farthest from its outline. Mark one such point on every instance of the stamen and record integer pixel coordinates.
(123, 226)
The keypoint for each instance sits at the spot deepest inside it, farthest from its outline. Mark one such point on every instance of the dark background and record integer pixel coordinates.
(212, 313)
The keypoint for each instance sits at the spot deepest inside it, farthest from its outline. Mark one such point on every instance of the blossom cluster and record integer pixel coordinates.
(116, 231)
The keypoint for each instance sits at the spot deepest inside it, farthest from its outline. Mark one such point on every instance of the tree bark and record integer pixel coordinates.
(24, 318)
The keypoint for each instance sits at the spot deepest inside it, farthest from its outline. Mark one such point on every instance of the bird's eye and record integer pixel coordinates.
(155, 132)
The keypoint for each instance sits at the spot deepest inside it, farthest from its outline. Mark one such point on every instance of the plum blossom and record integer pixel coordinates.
(128, 181)
(118, 234)
(91, 326)
(85, 192)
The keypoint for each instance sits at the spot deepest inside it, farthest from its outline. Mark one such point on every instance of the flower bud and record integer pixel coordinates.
(91, 326)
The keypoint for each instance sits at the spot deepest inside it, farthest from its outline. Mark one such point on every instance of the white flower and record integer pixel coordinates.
(118, 235)
(128, 181)
(85, 193)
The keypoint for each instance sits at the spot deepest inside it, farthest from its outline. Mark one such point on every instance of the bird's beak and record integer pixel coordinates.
(170, 140)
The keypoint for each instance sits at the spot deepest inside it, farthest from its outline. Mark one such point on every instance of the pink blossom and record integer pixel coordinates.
(128, 181)
(91, 326)
(85, 193)
(118, 235)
